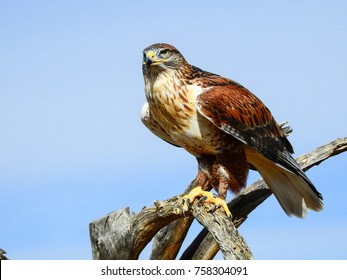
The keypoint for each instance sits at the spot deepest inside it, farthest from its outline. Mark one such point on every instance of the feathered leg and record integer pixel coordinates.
(218, 181)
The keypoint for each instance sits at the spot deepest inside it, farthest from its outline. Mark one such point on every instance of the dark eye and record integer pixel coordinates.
(164, 52)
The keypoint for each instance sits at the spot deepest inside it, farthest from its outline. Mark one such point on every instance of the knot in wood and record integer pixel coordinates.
(158, 207)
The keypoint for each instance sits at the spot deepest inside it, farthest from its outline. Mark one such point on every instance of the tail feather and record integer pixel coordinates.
(294, 193)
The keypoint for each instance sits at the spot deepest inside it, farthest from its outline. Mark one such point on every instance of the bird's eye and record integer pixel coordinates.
(164, 52)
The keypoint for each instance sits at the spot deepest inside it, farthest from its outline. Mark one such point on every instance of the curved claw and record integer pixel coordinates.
(188, 203)
(184, 212)
(219, 202)
(214, 208)
(186, 206)
(201, 199)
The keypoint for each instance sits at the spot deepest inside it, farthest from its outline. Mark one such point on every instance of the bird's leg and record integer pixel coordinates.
(219, 201)
(197, 191)
(207, 196)
(201, 180)
(223, 176)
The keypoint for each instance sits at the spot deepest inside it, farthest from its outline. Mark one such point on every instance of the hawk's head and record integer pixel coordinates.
(162, 57)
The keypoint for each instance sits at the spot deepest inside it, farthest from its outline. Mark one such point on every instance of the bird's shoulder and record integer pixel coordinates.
(207, 79)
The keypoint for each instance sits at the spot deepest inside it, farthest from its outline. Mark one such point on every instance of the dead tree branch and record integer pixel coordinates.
(123, 235)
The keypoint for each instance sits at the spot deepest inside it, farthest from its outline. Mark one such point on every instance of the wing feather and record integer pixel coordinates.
(238, 112)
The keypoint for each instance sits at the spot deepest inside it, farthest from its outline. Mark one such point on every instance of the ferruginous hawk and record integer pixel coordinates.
(227, 129)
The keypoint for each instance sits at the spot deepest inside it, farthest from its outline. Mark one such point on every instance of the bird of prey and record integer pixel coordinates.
(226, 127)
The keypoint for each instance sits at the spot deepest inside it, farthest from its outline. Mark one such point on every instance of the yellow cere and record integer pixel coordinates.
(150, 54)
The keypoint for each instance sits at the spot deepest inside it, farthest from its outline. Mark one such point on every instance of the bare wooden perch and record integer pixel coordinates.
(123, 234)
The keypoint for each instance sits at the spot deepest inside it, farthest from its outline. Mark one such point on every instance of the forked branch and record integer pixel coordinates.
(123, 235)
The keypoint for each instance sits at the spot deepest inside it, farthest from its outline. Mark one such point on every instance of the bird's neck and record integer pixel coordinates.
(164, 84)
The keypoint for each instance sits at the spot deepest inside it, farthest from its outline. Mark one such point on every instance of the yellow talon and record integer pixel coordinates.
(198, 192)
(220, 202)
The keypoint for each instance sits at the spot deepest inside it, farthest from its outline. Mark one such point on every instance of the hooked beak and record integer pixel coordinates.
(149, 59)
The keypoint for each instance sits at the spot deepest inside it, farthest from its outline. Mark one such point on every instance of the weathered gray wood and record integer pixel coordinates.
(322, 153)
(123, 235)
(168, 241)
(109, 235)
(204, 245)
(167, 245)
(224, 232)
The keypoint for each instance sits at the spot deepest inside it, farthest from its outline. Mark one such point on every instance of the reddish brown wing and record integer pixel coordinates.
(238, 112)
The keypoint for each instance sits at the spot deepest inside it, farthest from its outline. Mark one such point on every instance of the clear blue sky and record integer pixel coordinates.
(73, 148)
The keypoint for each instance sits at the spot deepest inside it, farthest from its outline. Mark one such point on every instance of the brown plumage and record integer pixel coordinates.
(225, 126)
